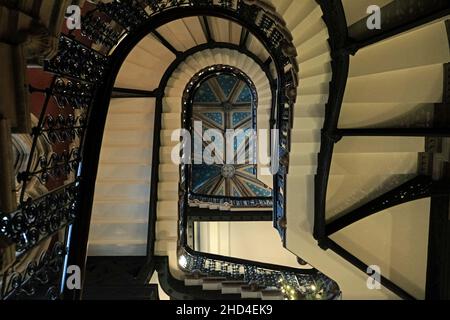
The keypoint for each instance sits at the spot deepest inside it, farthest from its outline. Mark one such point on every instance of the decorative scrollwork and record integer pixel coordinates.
(229, 4)
(279, 213)
(128, 13)
(155, 6)
(72, 94)
(99, 31)
(53, 166)
(37, 219)
(293, 284)
(42, 273)
(231, 202)
(76, 60)
(62, 129)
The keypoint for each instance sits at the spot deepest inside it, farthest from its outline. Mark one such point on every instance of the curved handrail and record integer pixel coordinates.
(334, 17)
(245, 17)
(292, 283)
(83, 65)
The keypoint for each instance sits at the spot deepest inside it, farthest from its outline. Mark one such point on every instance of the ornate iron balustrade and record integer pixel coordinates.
(81, 77)
(231, 202)
(40, 218)
(76, 60)
(279, 222)
(77, 71)
(283, 120)
(293, 284)
(63, 132)
(101, 31)
(39, 278)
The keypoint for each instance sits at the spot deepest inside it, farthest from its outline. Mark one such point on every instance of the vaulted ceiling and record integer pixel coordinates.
(224, 102)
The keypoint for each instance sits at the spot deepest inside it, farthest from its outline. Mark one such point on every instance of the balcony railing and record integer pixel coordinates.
(230, 202)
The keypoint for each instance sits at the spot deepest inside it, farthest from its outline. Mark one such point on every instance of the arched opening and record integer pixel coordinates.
(224, 102)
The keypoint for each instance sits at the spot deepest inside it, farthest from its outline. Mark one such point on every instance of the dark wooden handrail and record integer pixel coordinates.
(334, 17)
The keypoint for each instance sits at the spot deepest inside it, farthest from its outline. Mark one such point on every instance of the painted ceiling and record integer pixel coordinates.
(224, 101)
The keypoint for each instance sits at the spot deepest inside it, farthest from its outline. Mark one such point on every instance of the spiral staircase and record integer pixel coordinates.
(356, 160)
(317, 77)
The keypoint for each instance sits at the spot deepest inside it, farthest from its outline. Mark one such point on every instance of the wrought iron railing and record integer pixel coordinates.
(230, 202)
(82, 71)
(39, 276)
(40, 218)
(291, 283)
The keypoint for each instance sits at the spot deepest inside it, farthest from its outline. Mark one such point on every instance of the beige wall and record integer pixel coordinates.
(257, 241)
(397, 241)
